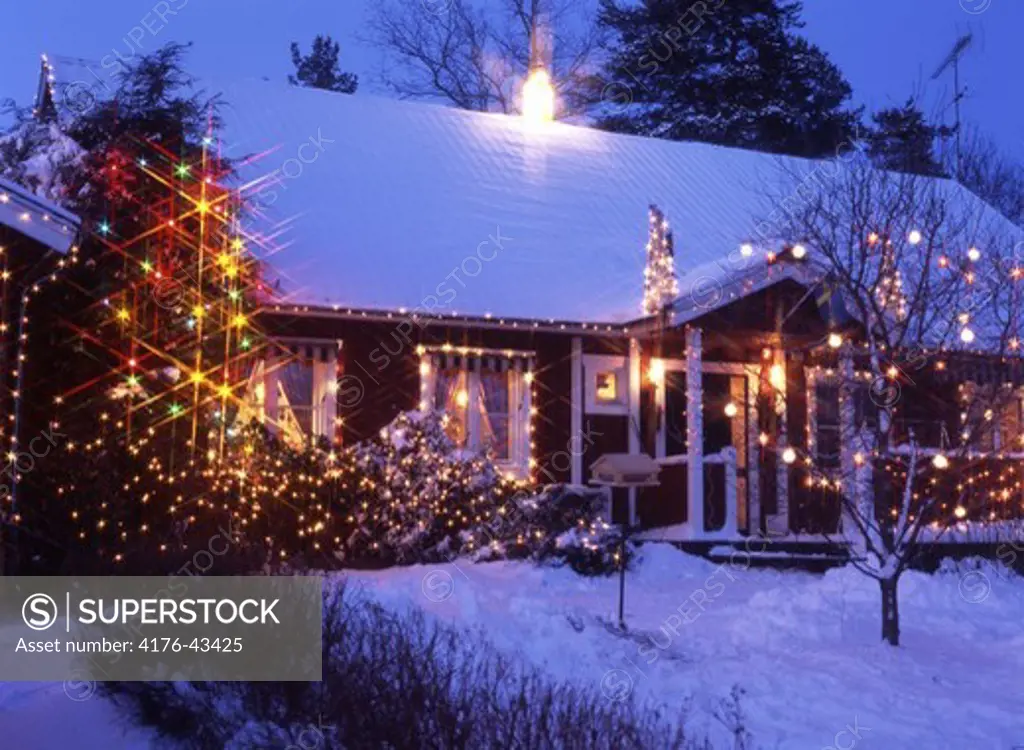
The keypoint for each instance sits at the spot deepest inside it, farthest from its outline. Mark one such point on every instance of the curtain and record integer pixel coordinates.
(297, 387)
(449, 385)
(493, 405)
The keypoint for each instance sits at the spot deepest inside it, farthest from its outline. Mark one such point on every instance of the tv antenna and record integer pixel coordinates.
(952, 60)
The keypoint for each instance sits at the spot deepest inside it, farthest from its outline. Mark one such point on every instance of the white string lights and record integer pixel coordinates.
(661, 287)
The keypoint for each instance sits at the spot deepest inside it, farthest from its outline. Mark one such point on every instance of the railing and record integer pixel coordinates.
(668, 504)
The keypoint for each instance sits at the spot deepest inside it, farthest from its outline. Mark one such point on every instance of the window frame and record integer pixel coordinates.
(519, 371)
(323, 358)
(595, 365)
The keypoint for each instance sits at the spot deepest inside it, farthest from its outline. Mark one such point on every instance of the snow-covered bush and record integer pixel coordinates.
(407, 496)
(398, 680)
(40, 157)
(404, 497)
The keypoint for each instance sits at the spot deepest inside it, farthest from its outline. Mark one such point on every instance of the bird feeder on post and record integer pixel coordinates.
(625, 470)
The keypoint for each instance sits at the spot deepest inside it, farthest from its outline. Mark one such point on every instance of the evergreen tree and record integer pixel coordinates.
(319, 69)
(138, 350)
(902, 140)
(730, 72)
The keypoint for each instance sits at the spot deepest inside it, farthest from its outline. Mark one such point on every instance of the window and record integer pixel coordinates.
(451, 396)
(494, 402)
(992, 419)
(296, 404)
(606, 387)
(826, 438)
(605, 384)
(295, 392)
(486, 401)
(826, 418)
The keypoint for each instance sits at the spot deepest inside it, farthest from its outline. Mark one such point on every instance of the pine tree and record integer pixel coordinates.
(319, 69)
(904, 141)
(139, 349)
(730, 72)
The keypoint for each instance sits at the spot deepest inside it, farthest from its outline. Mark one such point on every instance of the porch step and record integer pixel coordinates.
(815, 557)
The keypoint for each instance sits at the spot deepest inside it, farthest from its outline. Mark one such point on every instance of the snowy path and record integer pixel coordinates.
(804, 648)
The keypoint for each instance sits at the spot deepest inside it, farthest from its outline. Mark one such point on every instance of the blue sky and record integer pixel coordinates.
(886, 48)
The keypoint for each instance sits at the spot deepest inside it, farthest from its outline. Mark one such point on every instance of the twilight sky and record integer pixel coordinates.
(886, 48)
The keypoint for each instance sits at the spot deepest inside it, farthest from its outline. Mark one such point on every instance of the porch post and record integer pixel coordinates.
(694, 433)
(634, 415)
(729, 528)
(271, 375)
(576, 414)
(847, 436)
(778, 522)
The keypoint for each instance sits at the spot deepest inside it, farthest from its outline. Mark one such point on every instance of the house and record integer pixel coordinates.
(35, 235)
(431, 258)
(35, 238)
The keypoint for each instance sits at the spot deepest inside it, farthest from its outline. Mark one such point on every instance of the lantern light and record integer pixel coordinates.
(539, 97)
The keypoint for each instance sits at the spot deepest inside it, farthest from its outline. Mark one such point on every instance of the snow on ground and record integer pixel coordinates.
(804, 647)
(58, 716)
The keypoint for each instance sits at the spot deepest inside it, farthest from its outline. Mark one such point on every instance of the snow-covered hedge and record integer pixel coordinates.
(399, 680)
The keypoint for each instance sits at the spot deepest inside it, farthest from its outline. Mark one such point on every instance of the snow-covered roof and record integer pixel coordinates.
(36, 217)
(383, 204)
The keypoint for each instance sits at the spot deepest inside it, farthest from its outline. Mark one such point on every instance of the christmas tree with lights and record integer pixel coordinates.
(142, 345)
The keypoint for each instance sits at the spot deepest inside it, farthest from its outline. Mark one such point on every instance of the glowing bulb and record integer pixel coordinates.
(835, 340)
(960, 512)
(914, 237)
(462, 399)
(799, 251)
(657, 371)
(746, 249)
(789, 455)
(763, 438)
(967, 335)
(539, 97)
(974, 254)
(940, 461)
(731, 410)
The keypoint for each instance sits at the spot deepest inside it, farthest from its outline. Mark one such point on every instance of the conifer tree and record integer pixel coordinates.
(904, 141)
(320, 70)
(734, 73)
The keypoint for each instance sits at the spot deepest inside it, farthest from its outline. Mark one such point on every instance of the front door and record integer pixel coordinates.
(729, 414)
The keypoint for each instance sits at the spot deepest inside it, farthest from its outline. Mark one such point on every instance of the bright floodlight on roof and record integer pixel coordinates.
(539, 97)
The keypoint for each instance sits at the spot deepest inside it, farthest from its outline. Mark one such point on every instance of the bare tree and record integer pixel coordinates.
(454, 51)
(991, 174)
(926, 305)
